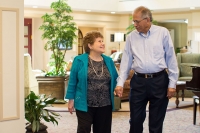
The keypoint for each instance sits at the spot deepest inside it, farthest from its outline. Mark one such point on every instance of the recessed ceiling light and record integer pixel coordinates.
(35, 6)
(88, 10)
(192, 8)
(112, 12)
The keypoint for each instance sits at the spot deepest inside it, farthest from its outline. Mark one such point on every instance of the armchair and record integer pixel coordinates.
(185, 61)
(30, 82)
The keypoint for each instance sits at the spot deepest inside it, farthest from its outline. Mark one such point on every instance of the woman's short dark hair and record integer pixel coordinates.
(90, 38)
(145, 12)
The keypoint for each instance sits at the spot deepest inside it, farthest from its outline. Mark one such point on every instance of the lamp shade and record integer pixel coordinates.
(197, 36)
(119, 37)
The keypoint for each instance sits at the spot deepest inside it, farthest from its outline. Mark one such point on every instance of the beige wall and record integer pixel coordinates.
(84, 30)
(108, 24)
(192, 16)
(180, 33)
(105, 23)
(11, 67)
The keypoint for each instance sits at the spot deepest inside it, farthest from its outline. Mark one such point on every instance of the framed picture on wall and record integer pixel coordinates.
(124, 37)
(112, 37)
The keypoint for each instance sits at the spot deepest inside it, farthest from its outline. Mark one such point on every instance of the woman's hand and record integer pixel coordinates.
(71, 106)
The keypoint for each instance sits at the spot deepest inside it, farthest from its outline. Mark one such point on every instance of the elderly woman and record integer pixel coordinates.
(91, 86)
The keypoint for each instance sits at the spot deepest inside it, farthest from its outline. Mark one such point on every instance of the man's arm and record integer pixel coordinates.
(125, 67)
(172, 66)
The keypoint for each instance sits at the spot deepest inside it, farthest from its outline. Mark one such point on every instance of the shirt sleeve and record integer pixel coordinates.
(126, 62)
(171, 60)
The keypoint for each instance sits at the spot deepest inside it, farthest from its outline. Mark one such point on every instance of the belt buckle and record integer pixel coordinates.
(148, 76)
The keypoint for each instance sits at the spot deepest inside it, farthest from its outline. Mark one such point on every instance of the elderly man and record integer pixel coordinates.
(150, 53)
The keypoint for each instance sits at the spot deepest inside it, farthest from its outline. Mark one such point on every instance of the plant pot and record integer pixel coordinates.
(43, 129)
(54, 85)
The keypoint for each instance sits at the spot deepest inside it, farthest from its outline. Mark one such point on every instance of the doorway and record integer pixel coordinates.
(82, 31)
(28, 36)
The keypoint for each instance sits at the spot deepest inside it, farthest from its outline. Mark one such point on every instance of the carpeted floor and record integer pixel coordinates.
(177, 120)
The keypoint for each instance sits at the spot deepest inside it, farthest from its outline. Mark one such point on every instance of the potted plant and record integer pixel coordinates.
(59, 32)
(35, 112)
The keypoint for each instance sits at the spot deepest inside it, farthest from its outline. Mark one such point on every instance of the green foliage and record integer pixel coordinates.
(59, 30)
(177, 50)
(131, 27)
(35, 110)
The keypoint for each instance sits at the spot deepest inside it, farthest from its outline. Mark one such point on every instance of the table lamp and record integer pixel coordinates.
(119, 37)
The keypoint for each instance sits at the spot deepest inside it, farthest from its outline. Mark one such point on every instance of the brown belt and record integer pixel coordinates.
(150, 75)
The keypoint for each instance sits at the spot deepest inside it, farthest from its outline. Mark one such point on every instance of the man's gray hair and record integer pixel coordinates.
(146, 13)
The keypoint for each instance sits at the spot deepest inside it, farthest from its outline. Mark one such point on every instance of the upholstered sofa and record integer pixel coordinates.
(185, 61)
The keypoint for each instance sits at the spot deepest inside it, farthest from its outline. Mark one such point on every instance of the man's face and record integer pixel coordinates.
(139, 22)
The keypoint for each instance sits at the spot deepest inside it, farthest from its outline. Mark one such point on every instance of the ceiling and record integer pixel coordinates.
(121, 6)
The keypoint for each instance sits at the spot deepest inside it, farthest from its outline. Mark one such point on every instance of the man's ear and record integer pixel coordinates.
(148, 19)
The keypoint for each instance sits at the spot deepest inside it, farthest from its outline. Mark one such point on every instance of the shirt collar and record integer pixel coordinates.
(148, 33)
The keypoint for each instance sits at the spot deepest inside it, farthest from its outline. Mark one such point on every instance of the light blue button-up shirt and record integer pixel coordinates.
(149, 53)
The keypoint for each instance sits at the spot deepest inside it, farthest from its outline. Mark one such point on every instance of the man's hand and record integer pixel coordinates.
(71, 106)
(119, 91)
(170, 92)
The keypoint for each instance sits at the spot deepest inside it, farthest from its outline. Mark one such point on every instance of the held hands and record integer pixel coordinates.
(71, 106)
(170, 92)
(118, 91)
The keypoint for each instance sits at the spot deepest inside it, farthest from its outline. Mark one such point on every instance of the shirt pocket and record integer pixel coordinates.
(158, 52)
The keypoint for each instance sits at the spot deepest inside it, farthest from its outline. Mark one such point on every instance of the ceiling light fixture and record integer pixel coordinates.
(35, 6)
(112, 12)
(192, 8)
(88, 10)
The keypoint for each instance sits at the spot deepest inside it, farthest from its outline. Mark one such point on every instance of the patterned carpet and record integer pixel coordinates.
(177, 120)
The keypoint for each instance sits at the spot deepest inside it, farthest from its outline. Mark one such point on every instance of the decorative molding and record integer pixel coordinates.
(16, 102)
(193, 27)
(115, 29)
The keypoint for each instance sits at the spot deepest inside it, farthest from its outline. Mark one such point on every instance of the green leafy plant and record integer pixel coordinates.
(131, 27)
(35, 110)
(59, 31)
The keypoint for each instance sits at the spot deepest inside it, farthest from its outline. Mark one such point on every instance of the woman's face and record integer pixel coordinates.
(98, 46)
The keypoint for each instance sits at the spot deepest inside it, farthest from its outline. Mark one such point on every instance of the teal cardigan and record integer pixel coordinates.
(77, 85)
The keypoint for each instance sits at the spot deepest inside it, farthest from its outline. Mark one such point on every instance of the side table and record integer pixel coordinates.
(197, 93)
(180, 85)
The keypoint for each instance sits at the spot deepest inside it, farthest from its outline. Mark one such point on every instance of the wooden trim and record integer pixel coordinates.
(116, 29)
(17, 78)
(1, 86)
(193, 27)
